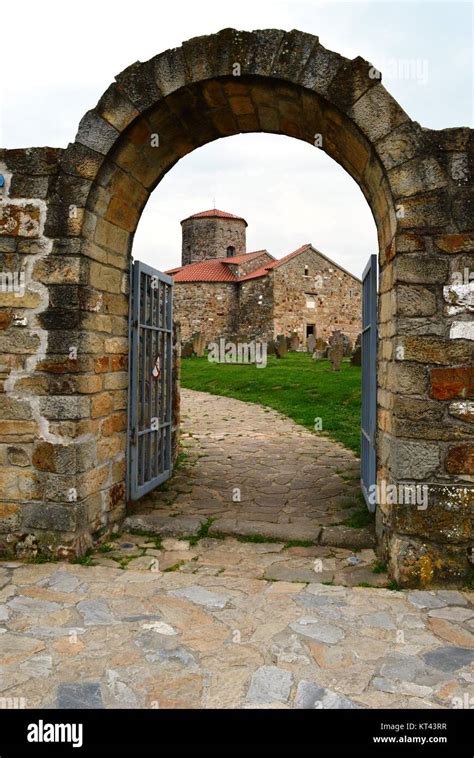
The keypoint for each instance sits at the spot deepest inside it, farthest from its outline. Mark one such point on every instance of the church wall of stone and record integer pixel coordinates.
(256, 308)
(335, 294)
(207, 307)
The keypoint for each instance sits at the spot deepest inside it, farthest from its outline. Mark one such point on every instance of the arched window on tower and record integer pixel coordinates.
(230, 251)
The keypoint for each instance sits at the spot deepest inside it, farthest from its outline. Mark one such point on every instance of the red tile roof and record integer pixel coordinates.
(214, 213)
(212, 270)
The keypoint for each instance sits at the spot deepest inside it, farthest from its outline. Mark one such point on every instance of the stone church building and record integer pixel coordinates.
(221, 290)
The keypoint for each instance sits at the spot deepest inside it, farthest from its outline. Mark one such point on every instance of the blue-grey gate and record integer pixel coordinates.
(150, 403)
(368, 463)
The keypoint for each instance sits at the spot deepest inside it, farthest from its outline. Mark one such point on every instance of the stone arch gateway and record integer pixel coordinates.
(66, 228)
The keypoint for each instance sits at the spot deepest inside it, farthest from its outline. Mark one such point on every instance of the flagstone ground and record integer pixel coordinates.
(241, 621)
(210, 631)
(254, 471)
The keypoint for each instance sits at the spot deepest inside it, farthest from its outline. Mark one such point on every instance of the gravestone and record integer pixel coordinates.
(281, 347)
(199, 344)
(356, 358)
(347, 346)
(187, 349)
(311, 343)
(320, 349)
(336, 350)
(294, 342)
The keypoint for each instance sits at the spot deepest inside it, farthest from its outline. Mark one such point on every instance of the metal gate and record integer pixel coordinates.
(150, 404)
(368, 467)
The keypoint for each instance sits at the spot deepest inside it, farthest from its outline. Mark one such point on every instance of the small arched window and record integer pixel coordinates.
(306, 271)
(230, 251)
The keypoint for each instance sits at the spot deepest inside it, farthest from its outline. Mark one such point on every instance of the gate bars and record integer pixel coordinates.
(150, 403)
(368, 463)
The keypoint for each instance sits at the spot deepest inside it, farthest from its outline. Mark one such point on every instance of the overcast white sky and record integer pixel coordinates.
(59, 57)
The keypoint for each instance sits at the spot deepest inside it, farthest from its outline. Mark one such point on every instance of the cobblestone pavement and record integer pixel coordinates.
(196, 626)
(292, 483)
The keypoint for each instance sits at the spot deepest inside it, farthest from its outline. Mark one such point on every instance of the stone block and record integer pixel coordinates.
(61, 270)
(415, 301)
(425, 349)
(96, 133)
(412, 460)
(52, 517)
(445, 519)
(20, 220)
(117, 422)
(108, 448)
(460, 459)
(116, 381)
(455, 243)
(65, 407)
(448, 383)
(105, 278)
(18, 484)
(417, 175)
(102, 404)
(59, 459)
(418, 409)
(170, 71)
(408, 379)
(424, 212)
(116, 109)
(138, 84)
(416, 563)
(376, 113)
(402, 144)
(117, 345)
(112, 237)
(421, 269)
(10, 517)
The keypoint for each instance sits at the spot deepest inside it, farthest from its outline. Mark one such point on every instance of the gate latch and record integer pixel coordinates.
(156, 373)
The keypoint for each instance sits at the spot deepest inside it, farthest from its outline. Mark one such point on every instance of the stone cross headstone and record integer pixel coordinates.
(311, 343)
(336, 350)
(294, 342)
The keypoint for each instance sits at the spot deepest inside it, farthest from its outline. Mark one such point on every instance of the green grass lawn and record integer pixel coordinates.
(297, 386)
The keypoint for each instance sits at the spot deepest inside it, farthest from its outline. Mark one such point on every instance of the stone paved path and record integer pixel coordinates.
(255, 471)
(198, 626)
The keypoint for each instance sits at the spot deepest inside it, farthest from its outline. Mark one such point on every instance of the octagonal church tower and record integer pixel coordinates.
(212, 234)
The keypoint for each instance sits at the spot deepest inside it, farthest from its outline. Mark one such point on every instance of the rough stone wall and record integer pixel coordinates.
(47, 385)
(425, 357)
(207, 307)
(210, 237)
(337, 297)
(246, 267)
(256, 308)
(419, 185)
